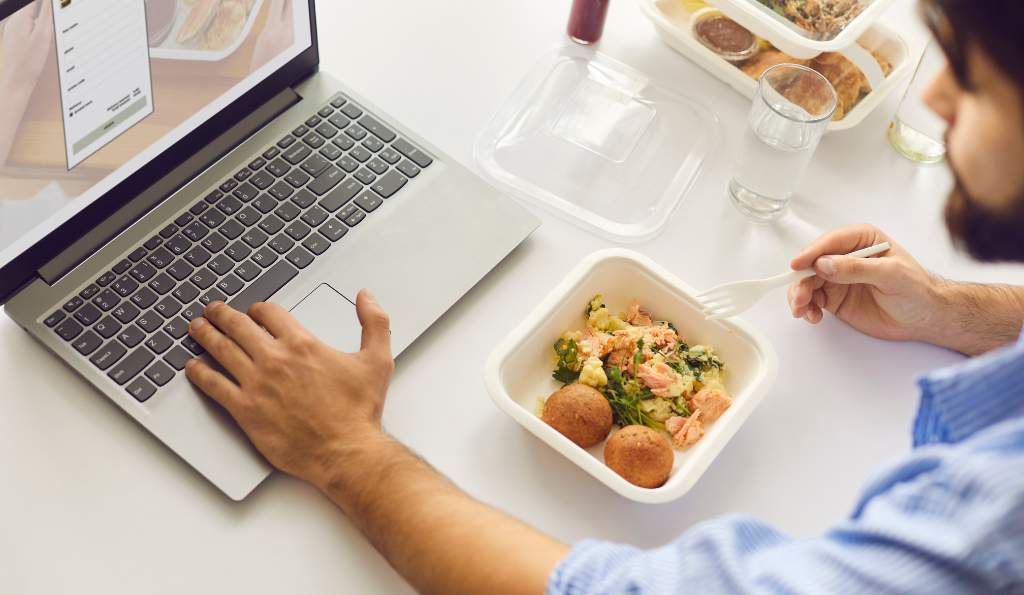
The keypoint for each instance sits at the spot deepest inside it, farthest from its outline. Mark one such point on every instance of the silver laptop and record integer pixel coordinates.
(184, 153)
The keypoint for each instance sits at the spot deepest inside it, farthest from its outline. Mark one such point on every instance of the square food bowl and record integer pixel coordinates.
(518, 371)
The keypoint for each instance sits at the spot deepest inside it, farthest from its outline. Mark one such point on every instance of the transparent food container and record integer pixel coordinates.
(597, 143)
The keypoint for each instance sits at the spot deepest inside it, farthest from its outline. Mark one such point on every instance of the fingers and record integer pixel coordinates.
(214, 384)
(239, 328)
(221, 347)
(376, 325)
(801, 295)
(846, 270)
(840, 241)
(276, 319)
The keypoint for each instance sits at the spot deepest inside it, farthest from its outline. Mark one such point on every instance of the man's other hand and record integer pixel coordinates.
(889, 297)
(297, 399)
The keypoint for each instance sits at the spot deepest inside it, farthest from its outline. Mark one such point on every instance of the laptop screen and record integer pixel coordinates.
(94, 89)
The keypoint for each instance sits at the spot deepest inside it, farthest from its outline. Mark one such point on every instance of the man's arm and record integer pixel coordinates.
(315, 413)
(974, 318)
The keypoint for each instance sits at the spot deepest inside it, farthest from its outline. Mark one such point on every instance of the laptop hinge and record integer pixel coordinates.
(163, 188)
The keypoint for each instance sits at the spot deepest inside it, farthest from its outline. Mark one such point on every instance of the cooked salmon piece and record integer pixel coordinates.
(686, 431)
(661, 379)
(712, 402)
(638, 316)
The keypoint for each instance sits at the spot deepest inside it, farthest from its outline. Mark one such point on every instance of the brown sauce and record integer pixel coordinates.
(724, 35)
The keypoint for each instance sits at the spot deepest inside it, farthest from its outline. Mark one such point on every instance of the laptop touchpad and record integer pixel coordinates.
(330, 316)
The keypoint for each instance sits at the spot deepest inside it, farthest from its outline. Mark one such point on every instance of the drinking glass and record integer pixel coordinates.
(916, 132)
(791, 110)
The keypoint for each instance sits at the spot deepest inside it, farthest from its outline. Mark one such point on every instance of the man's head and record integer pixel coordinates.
(980, 94)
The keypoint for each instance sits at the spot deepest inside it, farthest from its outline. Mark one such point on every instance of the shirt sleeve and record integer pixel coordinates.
(928, 526)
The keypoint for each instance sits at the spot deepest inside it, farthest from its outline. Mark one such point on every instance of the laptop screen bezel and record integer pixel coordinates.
(22, 268)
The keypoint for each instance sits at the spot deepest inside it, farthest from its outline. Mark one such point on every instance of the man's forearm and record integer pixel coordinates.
(436, 536)
(974, 318)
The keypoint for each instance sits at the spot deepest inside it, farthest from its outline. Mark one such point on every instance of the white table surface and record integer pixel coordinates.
(90, 503)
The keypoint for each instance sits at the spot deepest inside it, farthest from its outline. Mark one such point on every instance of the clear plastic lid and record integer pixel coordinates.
(805, 28)
(598, 143)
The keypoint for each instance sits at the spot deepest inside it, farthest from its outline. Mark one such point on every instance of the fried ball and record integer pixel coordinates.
(580, 413)
(642, 456)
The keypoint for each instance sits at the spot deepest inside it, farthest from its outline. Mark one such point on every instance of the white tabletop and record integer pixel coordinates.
(91, 503)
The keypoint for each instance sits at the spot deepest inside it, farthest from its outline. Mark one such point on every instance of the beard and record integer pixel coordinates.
(986, 234)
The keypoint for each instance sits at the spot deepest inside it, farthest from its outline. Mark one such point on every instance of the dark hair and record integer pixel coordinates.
(994, 26)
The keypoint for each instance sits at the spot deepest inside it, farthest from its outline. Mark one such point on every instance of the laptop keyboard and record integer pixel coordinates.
(241, 243)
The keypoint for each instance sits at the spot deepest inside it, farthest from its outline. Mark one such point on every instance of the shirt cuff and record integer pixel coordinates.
(587, 563)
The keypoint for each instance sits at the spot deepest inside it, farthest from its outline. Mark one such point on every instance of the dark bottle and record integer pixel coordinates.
(586, 22)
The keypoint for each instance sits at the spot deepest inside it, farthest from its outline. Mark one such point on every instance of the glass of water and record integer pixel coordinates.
(916, 132)
(792, 109)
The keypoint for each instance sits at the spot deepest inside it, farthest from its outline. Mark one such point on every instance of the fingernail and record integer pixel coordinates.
(213, 305)
(190, 364)
(369, 295)
(198, 323)
(826, 265)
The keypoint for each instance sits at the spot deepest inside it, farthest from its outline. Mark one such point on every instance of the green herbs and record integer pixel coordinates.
(569, 364)
(638, 357)
(625, 396)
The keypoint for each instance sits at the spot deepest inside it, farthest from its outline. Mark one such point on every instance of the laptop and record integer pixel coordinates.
(189, 152)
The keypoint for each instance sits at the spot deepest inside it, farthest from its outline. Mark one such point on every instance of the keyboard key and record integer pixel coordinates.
(52, 320)
(389, 183)
(297, 154)
(214, 295)
(73, 304)
(360, 154)
(365, 176)
(142, 271)
(231, 229)
(184, 219)
(243, 175)
(185, 293)
(192, 345)
(131, 336)
(343, 193)
(160, 373)
(257, 164)
(281, 190)
(326, 180)
(408, 168)
(279, 167)
(122, 266)
(355, 218)
(338, 100)
(287, 211)
(106, 300)
(368, 201)
(140, 389)
(221, 265)
(317, 244)
(355, 132)
(255, 238)
(300, 257)
(192, 311)
(297, 230)
(125, 286)
(237, 252)
(245, 192)
(314, 140)
(230, 284)
(228, 185)
(126, 312)
(300, 131)
(162, 283)
(248, 270)
(303, 198)
(266, 286)
(197, 256)
(177, 357)
(271, 153)
(195, 231)
(326, 130)
(314, 121)
(339, 121)
(69, 329)
(88, 314)
(264, 257)
(213, 243)
(281, 243)
(343, 142)
(390, 155)
(150, 321)
(331, 151)
(347, 211)
(87, 342)
(130, 366)
(229, 205)
(160, 258)
(348, 164)
(315, 216)
(325, 111)
(198, 208)
(297, 178)
(159, 342)
(152, 242)
(176, 327)
(262, 180)
(286, 142)
(265, 203)
(314, 165)
(213, 196)
(373, 144)
(144, 298)
(352, 111)
(333, 230)
(168, 307)
(137, 254)
(379, 166)
(108, 355)
(409, 150)
(212, 218)
(271, 224)
(106, 278)
(107, 328)
(89, 291)
(168, 231)
(180, 270)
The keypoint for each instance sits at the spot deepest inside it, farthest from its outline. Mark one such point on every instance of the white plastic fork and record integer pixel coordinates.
(731, 299)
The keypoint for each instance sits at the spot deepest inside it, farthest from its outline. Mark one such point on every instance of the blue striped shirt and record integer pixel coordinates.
(947, 518)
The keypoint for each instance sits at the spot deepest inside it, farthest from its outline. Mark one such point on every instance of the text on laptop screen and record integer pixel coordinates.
(94, 89)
